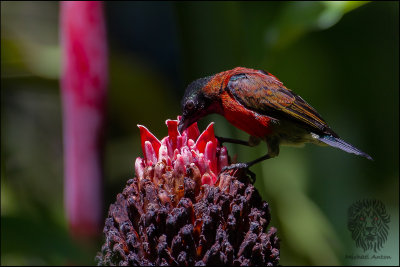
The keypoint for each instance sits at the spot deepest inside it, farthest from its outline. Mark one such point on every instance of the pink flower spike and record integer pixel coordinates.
(182, 141)
(146, 135)
(167, 142)
(139, 167)
(172, 132)
(149, 153)
(222, 158)
(176, 153)
(210, 154)
(195, 156)
(83, 83)
(207, 135)
(213, 177)
(190, 143)
(163, 155)
(202, 163)
(179, 166)
(187, 155)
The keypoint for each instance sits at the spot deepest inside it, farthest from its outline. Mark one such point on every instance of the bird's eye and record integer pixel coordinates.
(189, 105)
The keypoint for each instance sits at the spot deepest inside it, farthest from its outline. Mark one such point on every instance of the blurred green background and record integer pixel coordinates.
(341, 57)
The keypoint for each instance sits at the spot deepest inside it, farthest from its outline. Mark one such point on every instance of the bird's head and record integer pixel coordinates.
(196, 103)
(202, 97)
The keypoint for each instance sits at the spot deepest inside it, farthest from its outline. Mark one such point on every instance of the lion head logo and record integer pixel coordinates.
(368, 223)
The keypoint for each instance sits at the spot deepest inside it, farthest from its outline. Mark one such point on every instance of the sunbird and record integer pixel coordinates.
(256, 102)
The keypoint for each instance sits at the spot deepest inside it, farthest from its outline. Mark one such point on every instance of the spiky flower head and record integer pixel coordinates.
(180, 209)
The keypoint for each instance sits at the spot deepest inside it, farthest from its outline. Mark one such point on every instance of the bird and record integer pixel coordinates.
(257, 102)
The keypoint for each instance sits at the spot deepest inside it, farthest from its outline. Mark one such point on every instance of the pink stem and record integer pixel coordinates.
(83, 92)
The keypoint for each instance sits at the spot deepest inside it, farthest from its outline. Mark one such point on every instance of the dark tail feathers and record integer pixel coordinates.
(339, 143)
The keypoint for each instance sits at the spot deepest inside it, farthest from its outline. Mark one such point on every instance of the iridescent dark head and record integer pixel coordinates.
(195, 104)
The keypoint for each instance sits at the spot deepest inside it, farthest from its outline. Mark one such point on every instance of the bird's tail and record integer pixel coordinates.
(339, 143)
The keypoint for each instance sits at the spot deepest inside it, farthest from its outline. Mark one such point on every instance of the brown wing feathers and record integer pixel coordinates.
(266, 95)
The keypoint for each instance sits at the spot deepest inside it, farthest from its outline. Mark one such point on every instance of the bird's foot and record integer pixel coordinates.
(241, 165)
(220, 139)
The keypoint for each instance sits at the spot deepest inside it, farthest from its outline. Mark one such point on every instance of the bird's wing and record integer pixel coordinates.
(266, 95)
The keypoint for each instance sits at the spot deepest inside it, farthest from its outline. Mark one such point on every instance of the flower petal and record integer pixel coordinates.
(176, 153)
(163, 155)
(201, 162)
(187, 155)
(139, 167)
(181, 141)
(179, 166)
(210, 154)
(191, 143)
(149, 153)
(222, 158)
(146, 135)
(207, 135)
(166, 142)
(213, 177)
(172, 132)
(192, 132)
(206, 179)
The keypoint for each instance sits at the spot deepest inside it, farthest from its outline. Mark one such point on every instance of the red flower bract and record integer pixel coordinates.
(177, 151)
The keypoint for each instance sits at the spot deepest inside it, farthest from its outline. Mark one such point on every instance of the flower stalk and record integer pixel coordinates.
(83, 93)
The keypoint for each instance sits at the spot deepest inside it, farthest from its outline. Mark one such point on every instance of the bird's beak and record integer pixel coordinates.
(188, 120)
(183, 124)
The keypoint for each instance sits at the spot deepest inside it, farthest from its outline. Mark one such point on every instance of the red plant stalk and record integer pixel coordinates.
(83, 92)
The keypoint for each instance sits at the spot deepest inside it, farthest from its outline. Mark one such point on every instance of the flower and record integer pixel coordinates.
(176, 152)
(181, 209)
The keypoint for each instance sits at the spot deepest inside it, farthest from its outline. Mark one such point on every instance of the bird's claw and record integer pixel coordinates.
(240, 165)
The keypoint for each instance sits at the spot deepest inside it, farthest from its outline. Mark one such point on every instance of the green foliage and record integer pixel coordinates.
(26, 241)
(298, 18)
